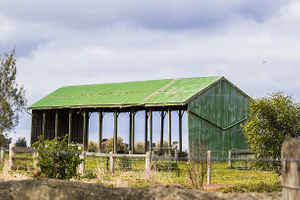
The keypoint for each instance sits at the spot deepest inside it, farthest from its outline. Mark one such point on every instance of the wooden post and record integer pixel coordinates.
(44, 125)
(162, 131)
(112, 163)
(2, 155)
(132, 130)
(290, 155)
(56, 124)
(100, 130)
(148, 165)
(180, 130)
(146, 131)
(176, 156)
(84, 130)
(208, 167)
(31, 129)
(70, 127)
(35, 155)
(150, 130)
(229, 159)
(12, 152)
(115, 131)
(81, 168)
(169, 130)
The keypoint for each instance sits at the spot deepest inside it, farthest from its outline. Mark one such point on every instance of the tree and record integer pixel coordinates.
(92, 146)
(21, 142)
(272, 119)
(109, 145)
(12, 97)
(139, 147)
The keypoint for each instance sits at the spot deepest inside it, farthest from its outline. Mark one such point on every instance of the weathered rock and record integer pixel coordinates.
(59, 189)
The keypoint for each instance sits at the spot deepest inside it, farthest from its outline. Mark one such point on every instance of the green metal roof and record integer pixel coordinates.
(139, 93)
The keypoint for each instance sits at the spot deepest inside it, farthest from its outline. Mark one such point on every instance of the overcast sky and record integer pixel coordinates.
(254, 44)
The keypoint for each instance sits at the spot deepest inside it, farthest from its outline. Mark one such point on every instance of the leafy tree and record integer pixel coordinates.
(109, 145)
(4, 140)
(139, 147)
(12, 97)
(272, 119)
(21, 142)
(57, 159)
(92, 146)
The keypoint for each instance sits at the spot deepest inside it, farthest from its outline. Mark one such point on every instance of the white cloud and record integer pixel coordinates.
(102, 42)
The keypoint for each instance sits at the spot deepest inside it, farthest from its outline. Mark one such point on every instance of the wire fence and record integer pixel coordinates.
(165, 168)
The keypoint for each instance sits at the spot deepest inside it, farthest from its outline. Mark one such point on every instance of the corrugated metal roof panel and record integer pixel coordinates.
(138, 93)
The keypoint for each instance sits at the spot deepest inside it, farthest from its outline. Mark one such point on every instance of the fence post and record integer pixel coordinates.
(2, 155)
(208, 166)
(35, 155)
(112, 163)
(148, 165)
(290, 163)
(11, 156)
(81, 168)
(176, 156)
(229, 159)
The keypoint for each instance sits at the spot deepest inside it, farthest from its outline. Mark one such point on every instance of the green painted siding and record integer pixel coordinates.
(216, 116)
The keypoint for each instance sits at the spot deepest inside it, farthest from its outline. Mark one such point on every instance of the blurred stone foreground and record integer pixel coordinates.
(59, 189)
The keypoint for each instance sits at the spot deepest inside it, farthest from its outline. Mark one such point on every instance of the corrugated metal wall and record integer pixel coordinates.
(215, 117)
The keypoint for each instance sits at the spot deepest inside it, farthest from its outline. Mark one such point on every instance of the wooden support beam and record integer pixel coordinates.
(169, 129)
(84, 130)
(70, 127)
(162, 131)
(87, 129)
(31, 129)
(100, 114)
(150, 130)
(115, 131)
(56, 124)
(132, 130)
(146, 131)
(180, 130)
(44, 125)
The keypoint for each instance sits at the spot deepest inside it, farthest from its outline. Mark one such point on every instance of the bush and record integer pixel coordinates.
(56, 159)
(197, 167)
(89, 174)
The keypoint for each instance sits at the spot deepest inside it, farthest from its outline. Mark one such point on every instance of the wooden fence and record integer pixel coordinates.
(81, 168)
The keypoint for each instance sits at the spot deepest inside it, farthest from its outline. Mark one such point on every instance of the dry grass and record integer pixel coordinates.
(8, 175)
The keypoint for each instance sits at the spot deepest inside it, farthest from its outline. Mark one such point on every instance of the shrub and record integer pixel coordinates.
(56, 159)
(89, 174)
(197, 166)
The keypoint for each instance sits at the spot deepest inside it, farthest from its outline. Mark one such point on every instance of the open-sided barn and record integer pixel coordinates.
(215, 109)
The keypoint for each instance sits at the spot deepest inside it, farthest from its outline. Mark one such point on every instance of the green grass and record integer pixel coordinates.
(260, 187)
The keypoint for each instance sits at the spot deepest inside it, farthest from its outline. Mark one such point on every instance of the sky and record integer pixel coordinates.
(254, 44)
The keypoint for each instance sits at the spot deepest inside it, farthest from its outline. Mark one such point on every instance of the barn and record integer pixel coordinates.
(215, 110)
